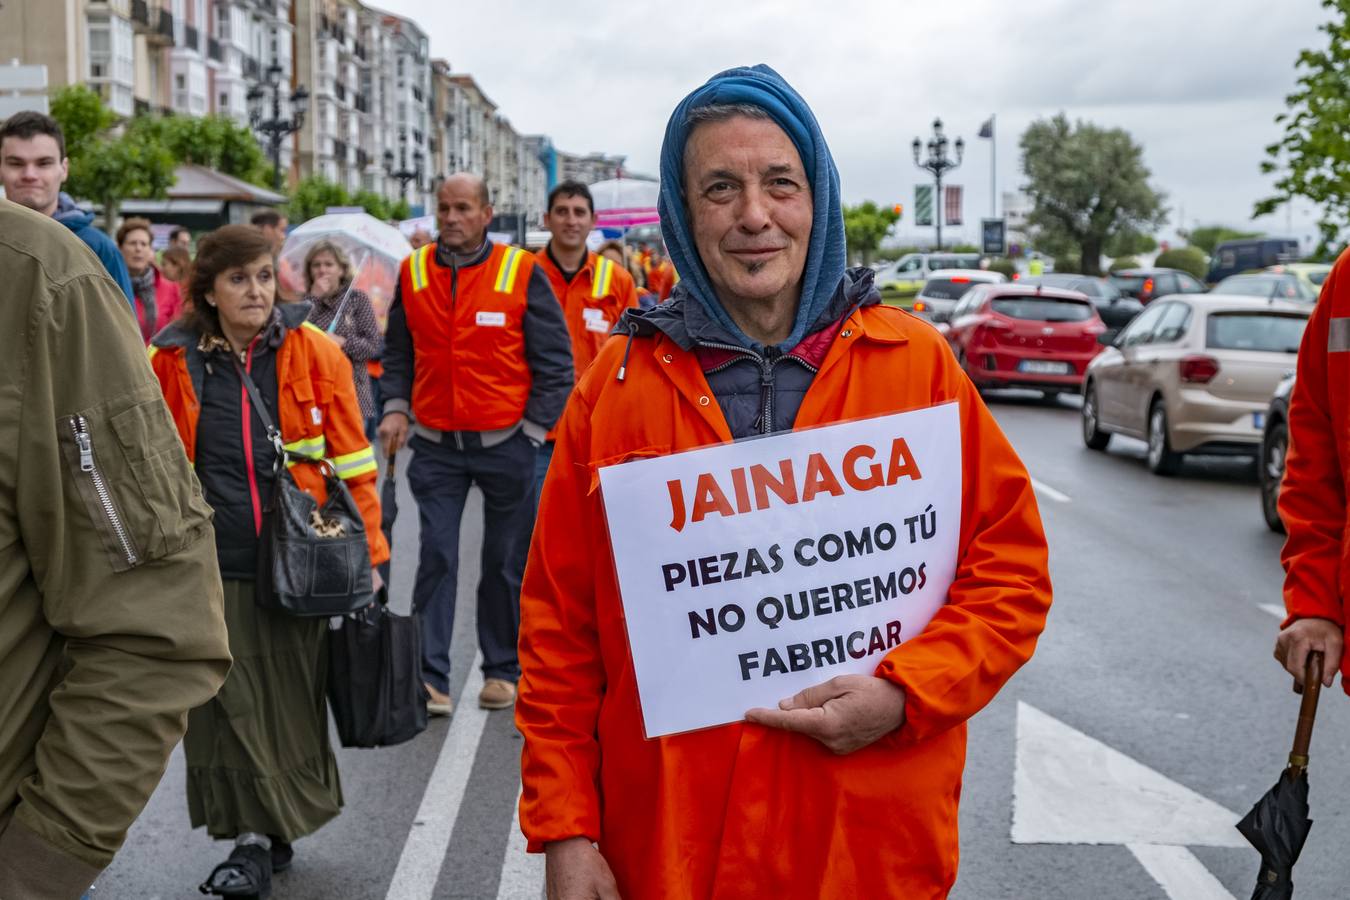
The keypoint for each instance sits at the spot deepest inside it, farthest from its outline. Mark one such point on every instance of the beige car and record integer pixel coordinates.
(1192, 374)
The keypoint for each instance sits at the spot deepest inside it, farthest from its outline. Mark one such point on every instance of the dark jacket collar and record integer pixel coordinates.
(449, 259)
(289, 316)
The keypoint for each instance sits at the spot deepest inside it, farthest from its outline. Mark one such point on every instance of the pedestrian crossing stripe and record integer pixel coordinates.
(506, 275)
(418, 264)
(603, 277)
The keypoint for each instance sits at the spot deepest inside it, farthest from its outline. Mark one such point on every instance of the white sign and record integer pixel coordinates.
(752, 570)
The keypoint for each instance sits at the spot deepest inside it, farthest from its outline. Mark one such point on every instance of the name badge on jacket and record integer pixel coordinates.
(595, 320)
(492, 319)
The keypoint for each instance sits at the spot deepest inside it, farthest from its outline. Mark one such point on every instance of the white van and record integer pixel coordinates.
(906, 275)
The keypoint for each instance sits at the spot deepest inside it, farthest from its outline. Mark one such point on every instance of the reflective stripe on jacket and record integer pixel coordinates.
(470, 370)
(742, 810)
(318, 414)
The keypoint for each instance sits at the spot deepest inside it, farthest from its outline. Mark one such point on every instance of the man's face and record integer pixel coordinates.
(184, 240)
(276, 234)
(749, 207)
(137, 250)
(570, 220)
(32, 171)
(461, 215)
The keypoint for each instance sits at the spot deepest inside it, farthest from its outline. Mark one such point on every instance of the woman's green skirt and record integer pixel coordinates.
(258, 755)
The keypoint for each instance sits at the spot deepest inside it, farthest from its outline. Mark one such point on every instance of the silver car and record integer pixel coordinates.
(938, 297)
(1193, 373)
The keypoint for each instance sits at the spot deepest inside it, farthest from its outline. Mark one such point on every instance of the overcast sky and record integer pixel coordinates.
(1196, 82)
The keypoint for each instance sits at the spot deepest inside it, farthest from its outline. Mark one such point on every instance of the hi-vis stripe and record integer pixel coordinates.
(506, 275)
(308, 448)
(347, 466)
(601, 280)
(418, 264)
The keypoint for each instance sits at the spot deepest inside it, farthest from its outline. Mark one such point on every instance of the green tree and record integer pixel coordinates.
(1004, 266)
(216, 142)
(107, 167)
(1312, 158)
(1129, 243)
(313, 195)
(1123, 263)
(1187, 259)
(1088, 184)
(865, 225)
(372, 203)
(1208, 237)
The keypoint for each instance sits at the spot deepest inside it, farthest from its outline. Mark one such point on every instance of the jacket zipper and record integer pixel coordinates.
(766, 367)
(85, 445)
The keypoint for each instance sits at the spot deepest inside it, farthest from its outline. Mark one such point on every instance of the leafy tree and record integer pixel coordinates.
(400, 209)
(1129, 243)
(1312, 158)
(1125, 262)
(864, 227)
(372, 203)
(1070, 265)
(106, 167)
(216, 142)
(964, 248)
(1088, 184)
(1004, 266)
(1208, 237)
(1188, 259)
(312, 196)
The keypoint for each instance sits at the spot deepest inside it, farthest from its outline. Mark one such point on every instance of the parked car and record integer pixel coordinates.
(1145, 285)
(902, 279)
(1114, 307)
(939, 294)
(1193, 374)
(1311, 274)
(1268, 286)
(1274, 449)
(1013, 335)
(1233, 257)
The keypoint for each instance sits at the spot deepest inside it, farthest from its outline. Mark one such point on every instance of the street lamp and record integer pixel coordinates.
(404, 174)
(938, 163)
(276, 129)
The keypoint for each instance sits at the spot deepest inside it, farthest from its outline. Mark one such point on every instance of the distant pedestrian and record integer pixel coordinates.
(176, 264)
(158, 300)
(477, 353)
(182, 238)
(260, 769)
(346, 314)
(273, 226)
(33, 166)
(660, 275)
(111, 626)
(420, 238)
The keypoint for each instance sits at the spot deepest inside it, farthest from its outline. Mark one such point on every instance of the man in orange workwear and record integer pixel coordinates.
(1312, 494)
(850, 789)
(592, 289)
(660, 275)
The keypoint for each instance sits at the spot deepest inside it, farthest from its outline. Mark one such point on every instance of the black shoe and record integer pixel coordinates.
(282, 854)
(246, 873)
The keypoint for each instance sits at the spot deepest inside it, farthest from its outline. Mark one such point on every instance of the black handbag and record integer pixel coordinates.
(375, 677)
(312, 560)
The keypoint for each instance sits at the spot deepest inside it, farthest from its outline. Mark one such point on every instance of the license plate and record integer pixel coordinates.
(1044, 367)
(1258, 420)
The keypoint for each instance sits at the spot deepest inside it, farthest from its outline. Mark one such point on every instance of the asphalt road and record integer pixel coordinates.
(1157, 646)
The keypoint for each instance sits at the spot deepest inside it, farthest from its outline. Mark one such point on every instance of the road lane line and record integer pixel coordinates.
(424, 852)
(1274, 609)
(1180, 874)
(522, 873)
(1050, 493)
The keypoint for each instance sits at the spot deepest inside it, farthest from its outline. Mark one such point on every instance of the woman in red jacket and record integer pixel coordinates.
(260, 771)
(157, 299)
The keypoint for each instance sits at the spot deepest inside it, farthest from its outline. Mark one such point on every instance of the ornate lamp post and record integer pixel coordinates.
(274, 130)
(938, 163)
(404, 174)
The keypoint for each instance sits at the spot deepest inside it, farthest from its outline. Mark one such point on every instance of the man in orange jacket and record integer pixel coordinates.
(849, 789)
(477, 354)
(1312, 495)
(593, 291)
(660, 275)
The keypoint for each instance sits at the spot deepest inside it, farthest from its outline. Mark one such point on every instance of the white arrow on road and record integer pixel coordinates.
(1069, 788)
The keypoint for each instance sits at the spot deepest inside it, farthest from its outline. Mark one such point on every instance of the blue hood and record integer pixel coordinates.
(825, 257)
(70, 215)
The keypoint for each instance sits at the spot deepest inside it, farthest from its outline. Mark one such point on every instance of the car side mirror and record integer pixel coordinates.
(1108, 337)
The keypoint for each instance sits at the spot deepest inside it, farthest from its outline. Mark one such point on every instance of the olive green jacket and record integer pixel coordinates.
(111, 623)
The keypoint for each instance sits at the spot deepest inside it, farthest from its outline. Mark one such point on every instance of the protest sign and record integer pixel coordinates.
(752, 570)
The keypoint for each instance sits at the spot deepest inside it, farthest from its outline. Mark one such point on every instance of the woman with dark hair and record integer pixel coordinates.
(260, 770)
(176, 264)
(157, 300)
(346, 314)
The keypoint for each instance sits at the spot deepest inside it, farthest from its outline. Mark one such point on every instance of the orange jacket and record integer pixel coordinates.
(1313, 507)
(318, 414)
(592, 302)
(470, 369)
(742, 810)
(661, 279)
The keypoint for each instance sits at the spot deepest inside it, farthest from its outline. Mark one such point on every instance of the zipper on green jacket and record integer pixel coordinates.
(84, 443)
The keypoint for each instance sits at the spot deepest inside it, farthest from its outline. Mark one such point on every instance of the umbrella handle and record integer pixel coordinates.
(1307, 712)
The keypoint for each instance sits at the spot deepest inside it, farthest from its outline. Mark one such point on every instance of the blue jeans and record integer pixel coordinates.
(541, 471)
(440, 476)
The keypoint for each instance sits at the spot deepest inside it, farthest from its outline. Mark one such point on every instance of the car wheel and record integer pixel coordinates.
(1162, 459)
(1093, 436)
(1270, 473)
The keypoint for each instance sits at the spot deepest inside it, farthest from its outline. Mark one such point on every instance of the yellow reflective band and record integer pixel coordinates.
(309, 448)
(357, 471)
(316, 329)
(604, 274)
(506, 276)
(351, 465)
(418, 264)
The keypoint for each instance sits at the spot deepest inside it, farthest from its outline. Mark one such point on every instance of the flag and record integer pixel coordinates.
(923, 204)
(952, 204)
(987, 129)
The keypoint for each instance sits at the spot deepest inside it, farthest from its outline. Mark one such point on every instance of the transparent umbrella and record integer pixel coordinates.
(376, 251)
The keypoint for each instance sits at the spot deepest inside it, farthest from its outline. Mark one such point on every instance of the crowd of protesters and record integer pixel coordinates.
(485, 346)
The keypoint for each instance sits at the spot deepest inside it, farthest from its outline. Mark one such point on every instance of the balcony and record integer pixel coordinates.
(191, 38)
(360, 51)
(361, 103)
(215, 50)
(164, 29)
(252, 70)
(340, 91)
(140, 16)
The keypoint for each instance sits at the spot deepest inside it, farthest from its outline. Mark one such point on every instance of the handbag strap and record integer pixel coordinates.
(255, 397)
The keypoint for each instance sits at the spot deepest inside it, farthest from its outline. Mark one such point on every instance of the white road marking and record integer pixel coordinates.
(424, 852)
(1179, 873)
(1069, 788)
(522, 873)
(1274, 609)
(1050, 493)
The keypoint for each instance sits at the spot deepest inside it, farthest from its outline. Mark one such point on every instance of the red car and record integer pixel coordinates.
(1026, 336)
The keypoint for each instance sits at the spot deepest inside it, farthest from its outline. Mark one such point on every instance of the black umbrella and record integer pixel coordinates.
(1278, 824)
(388, 512)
